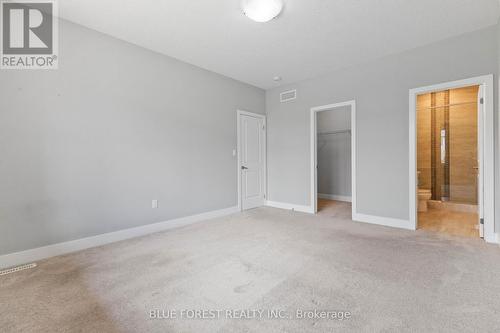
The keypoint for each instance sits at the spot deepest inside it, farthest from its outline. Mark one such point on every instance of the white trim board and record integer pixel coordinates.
(283, 205)
(489, 148)
(23, 257)
(335, 197)
(385, 221)
(313, 159)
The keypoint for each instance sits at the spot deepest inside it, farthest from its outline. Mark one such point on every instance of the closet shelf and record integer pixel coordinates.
(335, 132)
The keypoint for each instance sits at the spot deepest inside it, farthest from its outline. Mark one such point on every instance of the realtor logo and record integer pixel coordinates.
(29, 34)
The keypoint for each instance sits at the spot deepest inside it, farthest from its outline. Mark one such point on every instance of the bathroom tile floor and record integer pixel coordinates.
(449, 222)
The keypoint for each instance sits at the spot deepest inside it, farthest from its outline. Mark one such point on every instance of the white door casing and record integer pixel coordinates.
(486, 151)
(251, 160)
(480, 158)
(314, 158)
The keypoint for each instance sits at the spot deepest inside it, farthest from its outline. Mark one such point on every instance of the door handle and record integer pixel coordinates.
(244, 168)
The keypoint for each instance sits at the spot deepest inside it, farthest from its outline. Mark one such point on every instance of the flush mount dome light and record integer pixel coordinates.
(262, 10)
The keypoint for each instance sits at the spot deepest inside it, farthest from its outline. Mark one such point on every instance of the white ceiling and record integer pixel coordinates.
(311, 37)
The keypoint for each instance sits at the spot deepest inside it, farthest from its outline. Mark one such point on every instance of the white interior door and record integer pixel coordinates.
(480, 158)
(252, 160)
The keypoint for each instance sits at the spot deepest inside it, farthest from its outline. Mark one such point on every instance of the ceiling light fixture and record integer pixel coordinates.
(262, 10)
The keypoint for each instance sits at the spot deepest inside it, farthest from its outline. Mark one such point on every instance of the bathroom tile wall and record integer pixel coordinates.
(424, 141)
(462, 144)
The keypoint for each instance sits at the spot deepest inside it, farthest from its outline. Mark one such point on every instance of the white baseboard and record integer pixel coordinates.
(492, 240)
(282, 205)
(385, 221)
(335, 197)
(23, 257)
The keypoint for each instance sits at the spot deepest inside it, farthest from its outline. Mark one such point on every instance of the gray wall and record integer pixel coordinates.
(380, 89)
(84, 149)
(334, 152)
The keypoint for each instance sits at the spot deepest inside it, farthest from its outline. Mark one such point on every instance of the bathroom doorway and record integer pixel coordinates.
(450, 135)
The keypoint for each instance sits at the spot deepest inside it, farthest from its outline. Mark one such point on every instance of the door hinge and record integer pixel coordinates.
(264, 195)
(263, 127)
(481, 100)
(481, 228)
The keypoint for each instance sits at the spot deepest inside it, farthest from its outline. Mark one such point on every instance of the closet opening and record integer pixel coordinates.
(333, 159)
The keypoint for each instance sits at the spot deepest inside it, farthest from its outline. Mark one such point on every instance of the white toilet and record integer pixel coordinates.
(423, 196)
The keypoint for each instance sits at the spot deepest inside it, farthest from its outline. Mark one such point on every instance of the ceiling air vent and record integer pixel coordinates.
(289, 95)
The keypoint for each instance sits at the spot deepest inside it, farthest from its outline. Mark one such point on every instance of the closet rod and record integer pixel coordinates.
(335, 132)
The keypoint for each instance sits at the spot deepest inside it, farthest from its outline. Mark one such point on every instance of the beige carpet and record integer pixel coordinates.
(390, 280)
